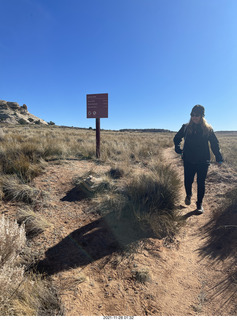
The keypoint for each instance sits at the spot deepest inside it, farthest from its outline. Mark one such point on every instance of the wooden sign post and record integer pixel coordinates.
(97, 107)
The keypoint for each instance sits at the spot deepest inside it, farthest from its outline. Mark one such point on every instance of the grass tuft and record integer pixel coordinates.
(34, 224)
(144, 198)
(21, 294)
(142, 276)
(15, 190)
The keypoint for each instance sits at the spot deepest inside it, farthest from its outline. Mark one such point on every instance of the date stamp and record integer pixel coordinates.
(118, 317)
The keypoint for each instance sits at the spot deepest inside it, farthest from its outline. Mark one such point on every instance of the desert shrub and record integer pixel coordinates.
(141, 276)
(21, 158)
(21, 294)
(152, 198)
(147, 199)
(35, 296)
(12, 240)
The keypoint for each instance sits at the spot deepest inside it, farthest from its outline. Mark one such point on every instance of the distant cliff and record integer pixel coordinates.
(13, 113)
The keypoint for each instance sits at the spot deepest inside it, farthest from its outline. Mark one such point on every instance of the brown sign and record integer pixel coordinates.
(97, 105)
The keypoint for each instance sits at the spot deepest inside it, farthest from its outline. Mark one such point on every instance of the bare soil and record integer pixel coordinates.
(155, 277)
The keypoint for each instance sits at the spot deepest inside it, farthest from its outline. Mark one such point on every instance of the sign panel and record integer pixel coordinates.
(97, 105)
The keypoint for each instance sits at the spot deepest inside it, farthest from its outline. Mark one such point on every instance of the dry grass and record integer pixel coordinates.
(34, 297)
(21, 294)
(141, 276)
(47, 143)
(221, 243)
(139, 189)
(12, 240)
(14, 190)
(228, 144)
(144, 197)
(33, 222)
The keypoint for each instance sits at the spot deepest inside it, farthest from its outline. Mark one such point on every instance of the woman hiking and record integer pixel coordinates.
(196, 153)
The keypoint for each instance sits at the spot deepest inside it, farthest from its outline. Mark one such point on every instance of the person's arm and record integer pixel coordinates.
(177, 140)
(215, 147)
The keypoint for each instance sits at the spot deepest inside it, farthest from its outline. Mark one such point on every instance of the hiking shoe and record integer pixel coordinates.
(199, 208)
(188, 200)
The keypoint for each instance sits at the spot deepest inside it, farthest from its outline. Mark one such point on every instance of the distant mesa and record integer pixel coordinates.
(13, 113)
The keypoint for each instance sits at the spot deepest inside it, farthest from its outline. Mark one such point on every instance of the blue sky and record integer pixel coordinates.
(155, 58)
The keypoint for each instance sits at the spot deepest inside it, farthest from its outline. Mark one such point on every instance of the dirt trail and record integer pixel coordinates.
(93, 278)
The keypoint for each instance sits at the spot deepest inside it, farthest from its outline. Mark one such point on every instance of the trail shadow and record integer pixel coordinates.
(190, 214)
(220, 235)
(89, 243)
(74, 195)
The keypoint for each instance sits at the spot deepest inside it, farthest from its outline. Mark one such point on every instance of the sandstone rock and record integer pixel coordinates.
(13, 105)
(13, 113)
(3, 102)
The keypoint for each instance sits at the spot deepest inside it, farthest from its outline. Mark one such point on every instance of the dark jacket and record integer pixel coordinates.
(196, 147)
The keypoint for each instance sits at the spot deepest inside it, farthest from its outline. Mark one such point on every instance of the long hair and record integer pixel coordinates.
(206, 127)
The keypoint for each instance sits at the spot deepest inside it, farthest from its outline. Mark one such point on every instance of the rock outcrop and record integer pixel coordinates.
(13, 113)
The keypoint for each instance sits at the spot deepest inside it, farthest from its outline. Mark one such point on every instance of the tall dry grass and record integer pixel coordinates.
(21, 294)
(139, 188)
(146, 197)
(228, 144)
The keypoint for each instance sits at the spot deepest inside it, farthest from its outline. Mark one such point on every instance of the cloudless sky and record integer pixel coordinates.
(155, 58)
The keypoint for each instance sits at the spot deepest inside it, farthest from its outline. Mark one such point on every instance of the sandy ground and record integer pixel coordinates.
(93, 278)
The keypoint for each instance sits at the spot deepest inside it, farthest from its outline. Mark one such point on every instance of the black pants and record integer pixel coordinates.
(190, 170)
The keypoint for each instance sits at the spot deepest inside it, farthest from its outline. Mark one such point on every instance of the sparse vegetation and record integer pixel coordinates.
(144, 197)
(14, 190)
(34, 224)
(139, 190)
(229, 148)
(141, 276)
(21, 294)
(221, 239)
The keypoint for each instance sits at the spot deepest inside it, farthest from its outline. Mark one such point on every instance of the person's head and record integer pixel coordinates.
(197, 117)
(197, 113)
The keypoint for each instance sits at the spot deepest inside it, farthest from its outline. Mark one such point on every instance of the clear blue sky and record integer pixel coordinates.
(155, 58)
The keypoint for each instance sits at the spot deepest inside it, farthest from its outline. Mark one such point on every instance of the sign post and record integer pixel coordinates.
(97, 107)
(97, 137)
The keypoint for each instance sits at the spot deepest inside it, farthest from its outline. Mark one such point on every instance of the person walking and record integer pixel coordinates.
(196, 153)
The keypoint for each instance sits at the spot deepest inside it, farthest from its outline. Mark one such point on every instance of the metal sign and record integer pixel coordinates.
(97, 105)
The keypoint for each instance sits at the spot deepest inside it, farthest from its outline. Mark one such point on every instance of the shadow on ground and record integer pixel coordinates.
(74, 195)
(89, 243)
(220, 235)
(190, 214)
